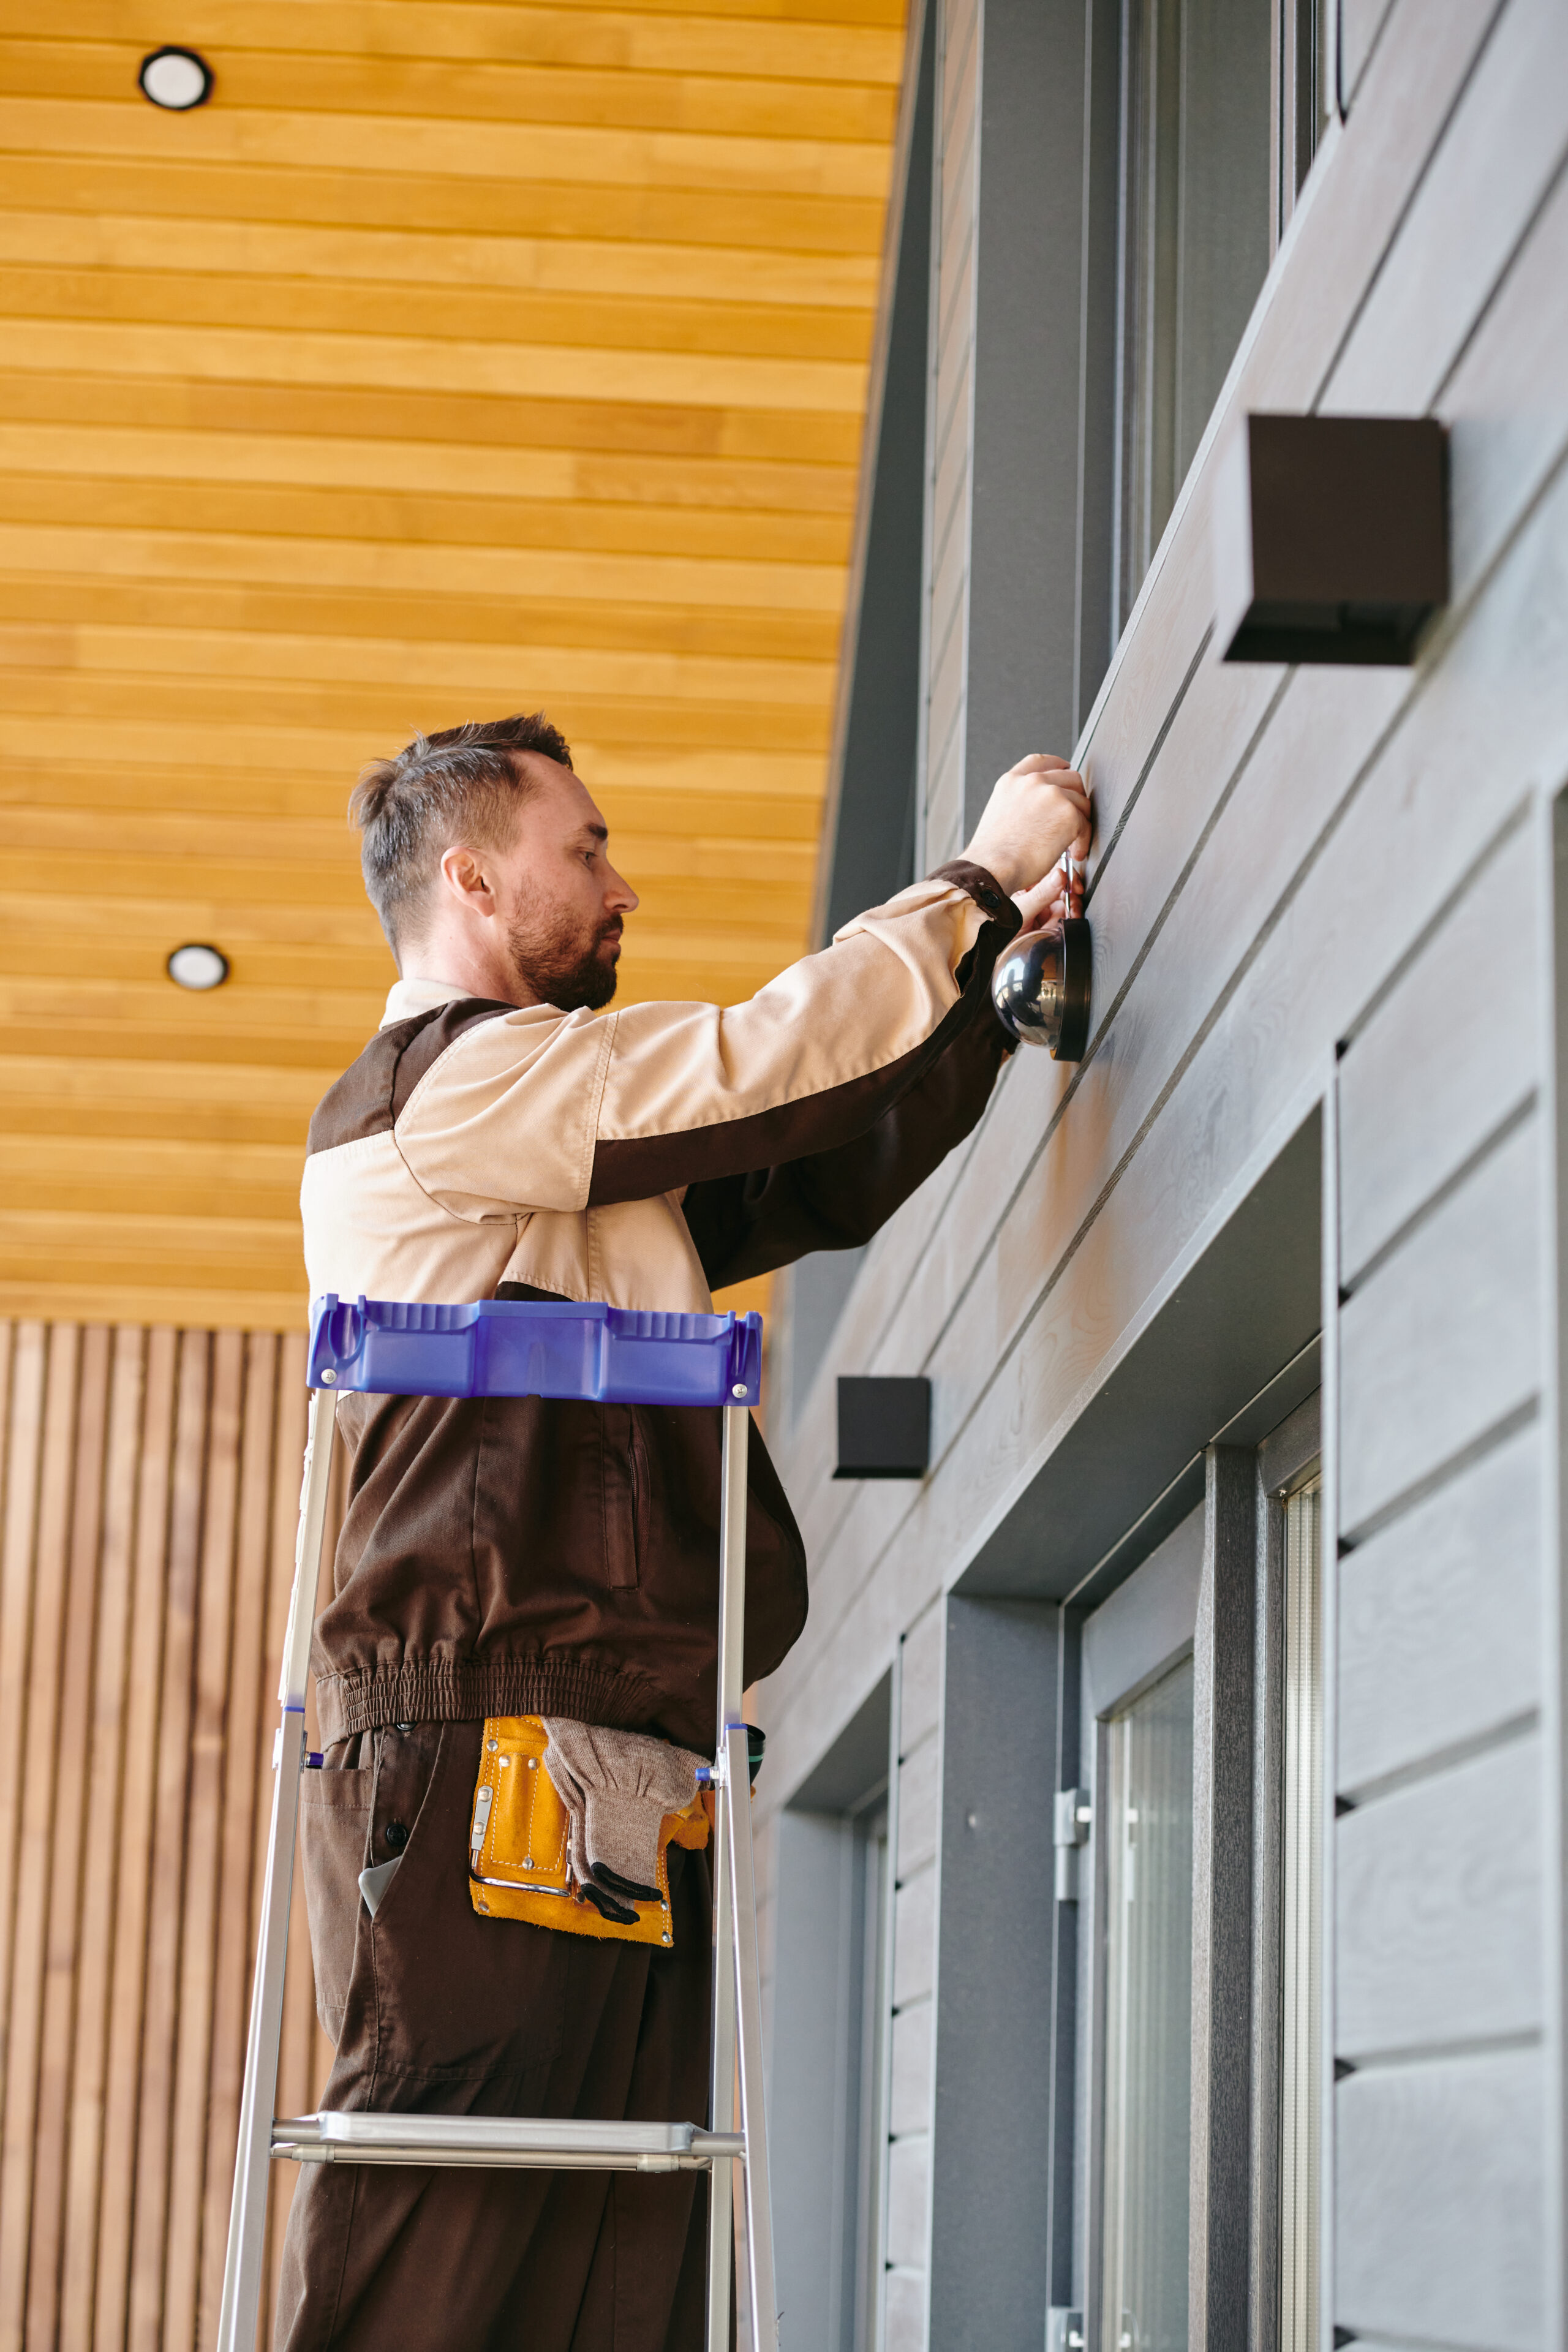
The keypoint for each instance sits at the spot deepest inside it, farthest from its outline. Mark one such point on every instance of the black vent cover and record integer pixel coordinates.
(884, 1428)
(1330, 538)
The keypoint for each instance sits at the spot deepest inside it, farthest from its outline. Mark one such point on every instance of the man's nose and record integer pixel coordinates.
(620, 894)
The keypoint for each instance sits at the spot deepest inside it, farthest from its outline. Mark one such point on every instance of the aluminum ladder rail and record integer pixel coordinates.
(736, 2160)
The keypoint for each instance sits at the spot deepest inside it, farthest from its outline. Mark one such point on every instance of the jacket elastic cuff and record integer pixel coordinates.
(985, 889)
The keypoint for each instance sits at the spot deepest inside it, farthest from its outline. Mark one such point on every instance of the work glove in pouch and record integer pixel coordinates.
(617, 1787)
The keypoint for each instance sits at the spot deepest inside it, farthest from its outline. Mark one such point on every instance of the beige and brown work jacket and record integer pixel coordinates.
(515, 1556)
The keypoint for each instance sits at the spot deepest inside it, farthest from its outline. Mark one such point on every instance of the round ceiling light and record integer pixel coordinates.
(175, 79)
(195, 965)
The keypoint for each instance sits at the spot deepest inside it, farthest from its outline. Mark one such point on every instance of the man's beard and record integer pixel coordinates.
(560, 962)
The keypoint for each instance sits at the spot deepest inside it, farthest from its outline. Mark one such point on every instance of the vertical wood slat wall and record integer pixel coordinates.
(148, 1506)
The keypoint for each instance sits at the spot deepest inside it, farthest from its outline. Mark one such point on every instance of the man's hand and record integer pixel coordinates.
(1037, 811)
(1053, 899)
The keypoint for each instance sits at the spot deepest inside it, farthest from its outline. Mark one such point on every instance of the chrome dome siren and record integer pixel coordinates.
(1041, 987)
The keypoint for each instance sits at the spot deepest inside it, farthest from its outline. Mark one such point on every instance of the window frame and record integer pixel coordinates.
(1284, 212)
(1231, 1552)
(1134, 1638)
(1286, 1461)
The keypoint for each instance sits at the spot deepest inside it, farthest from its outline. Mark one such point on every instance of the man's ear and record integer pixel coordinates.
(464, 874)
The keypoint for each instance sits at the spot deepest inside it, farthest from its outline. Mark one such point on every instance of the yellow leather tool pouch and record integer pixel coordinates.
(516, 1843)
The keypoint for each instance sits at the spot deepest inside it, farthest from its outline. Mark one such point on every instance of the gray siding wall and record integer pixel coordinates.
(1286, 860)
(1440, 1959)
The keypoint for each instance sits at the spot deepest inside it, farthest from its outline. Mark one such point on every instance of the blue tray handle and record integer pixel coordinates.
(504, 1347)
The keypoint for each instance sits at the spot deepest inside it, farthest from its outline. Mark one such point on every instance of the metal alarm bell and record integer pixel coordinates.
(1041, 987)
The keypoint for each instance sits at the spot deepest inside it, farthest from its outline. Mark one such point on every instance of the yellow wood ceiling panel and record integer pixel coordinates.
(651, 161)
(796, 225)
(452, 360)
(557, 96)
(534, 266)
(820, 40)
(627, 430)
(314, 511)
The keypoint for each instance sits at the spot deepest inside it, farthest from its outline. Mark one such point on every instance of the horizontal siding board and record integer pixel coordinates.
(945, 830)
(944, 805)
(1444, 1059)
(911, 2070)
(905, 2312)
(947, 655)
(960, 21)
(1439, 1620)
(1438, 1908)
(954, 271)
(1503, 445)
(1440, 2194)
(1492, 166)
(920, 1799)
(947, 689)
(949, 492)
(914, 1938)
(1443, 1342)
(1360, 22)
(908, 2190)
(920, 1684)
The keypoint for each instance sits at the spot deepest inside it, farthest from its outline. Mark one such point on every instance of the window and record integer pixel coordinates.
(1302, 101)
(827, 2101)
(1223, 104)
(1200, 1747)
(1148, 2022)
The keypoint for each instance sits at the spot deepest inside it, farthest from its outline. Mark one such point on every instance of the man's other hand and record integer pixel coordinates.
(1038, 812)
(1053, 899)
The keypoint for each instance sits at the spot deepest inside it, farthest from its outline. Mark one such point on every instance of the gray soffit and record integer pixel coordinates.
(1227, 1356)
(855, 1768)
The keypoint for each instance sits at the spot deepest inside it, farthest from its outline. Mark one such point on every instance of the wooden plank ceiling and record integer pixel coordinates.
(452, 360)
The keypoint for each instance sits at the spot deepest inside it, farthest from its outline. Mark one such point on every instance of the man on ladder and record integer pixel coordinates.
(517, 1558)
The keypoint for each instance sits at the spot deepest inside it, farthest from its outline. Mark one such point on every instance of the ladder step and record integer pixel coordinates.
(559, 2144)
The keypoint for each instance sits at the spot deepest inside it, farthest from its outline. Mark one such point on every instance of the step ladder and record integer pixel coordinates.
(601, 1355)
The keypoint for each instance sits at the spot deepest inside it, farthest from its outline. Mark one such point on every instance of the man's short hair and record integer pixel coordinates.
(463, 784)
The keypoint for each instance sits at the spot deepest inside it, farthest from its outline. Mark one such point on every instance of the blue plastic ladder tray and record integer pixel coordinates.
(548, 1348)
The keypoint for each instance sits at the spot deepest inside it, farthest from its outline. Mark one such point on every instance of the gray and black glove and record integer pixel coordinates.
(617, 1787)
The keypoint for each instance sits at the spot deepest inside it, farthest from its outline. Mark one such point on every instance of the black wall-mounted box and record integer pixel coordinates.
(1330, 538)
(884, 1428)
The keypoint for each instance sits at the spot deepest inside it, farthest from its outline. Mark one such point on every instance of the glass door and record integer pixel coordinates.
(1148, 2018)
